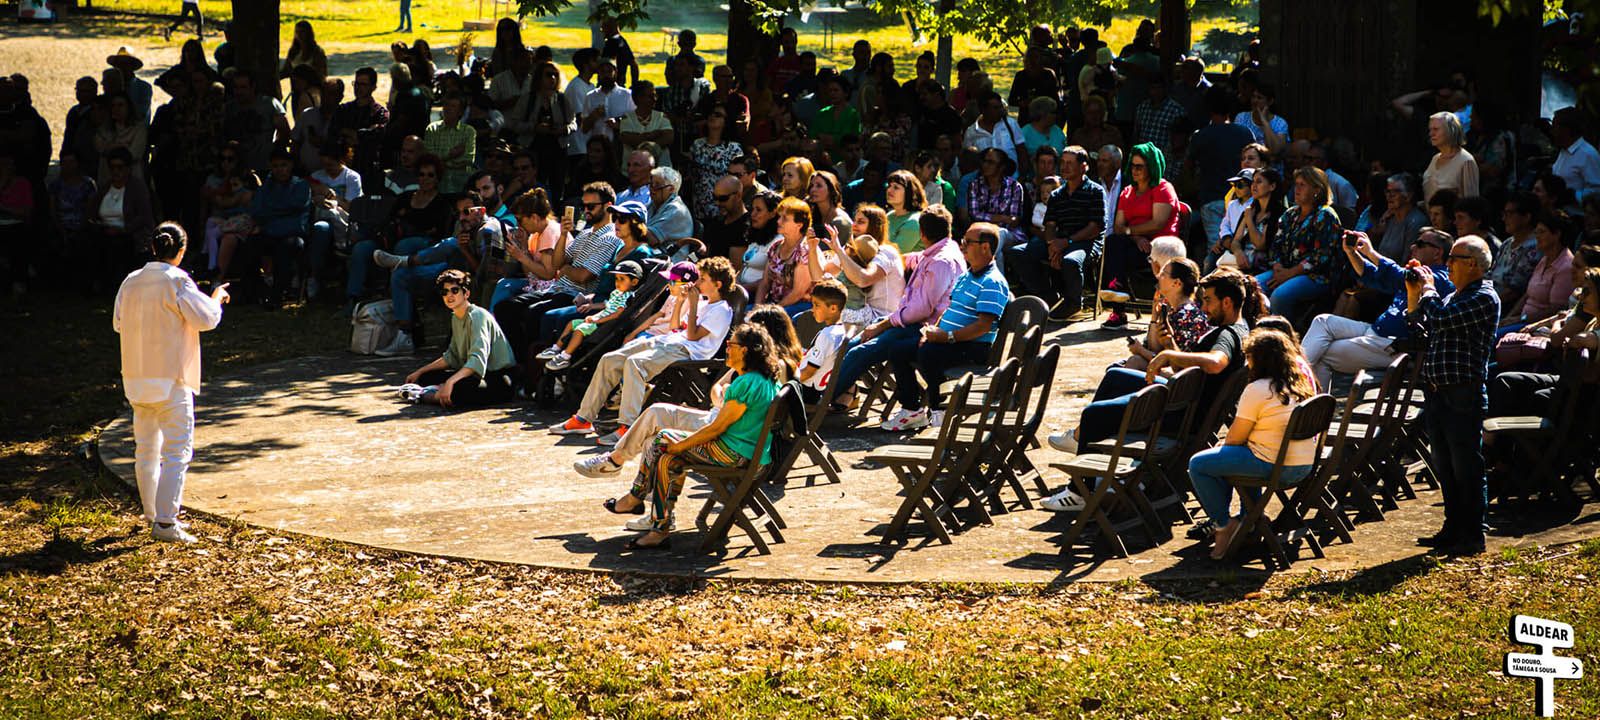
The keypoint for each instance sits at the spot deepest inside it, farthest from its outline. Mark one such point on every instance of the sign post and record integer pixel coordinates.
(1545, 667)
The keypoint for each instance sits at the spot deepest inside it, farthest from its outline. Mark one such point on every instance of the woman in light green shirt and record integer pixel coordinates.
(477, 366)
(906, 198)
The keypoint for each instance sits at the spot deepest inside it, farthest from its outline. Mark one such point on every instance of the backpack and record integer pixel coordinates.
(373, 327)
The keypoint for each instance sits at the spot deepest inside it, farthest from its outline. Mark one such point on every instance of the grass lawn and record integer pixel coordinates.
(344, 25)
(99, 622)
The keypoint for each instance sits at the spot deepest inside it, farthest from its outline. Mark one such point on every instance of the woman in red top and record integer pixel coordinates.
(1147, 209)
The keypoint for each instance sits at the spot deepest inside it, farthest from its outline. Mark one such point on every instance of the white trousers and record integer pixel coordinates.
(163, 434)
(1334, 343)
(658, 417)
(632, 366)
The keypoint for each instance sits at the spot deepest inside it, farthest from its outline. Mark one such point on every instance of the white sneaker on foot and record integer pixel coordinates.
(599, 466)
(173, 533)
(1066, 442)
(548, 352)
(906, 420)
(401, 345)
(388, 260)
(559, 362)
(1064, 501)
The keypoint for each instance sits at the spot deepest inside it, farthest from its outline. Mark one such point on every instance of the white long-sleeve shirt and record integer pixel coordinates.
(160, 314)
(1579, 165)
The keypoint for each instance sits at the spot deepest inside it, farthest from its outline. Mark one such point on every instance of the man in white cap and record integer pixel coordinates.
(160, 314)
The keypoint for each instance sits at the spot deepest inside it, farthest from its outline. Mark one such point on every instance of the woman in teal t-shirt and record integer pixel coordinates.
(905, 196)
(729, 440)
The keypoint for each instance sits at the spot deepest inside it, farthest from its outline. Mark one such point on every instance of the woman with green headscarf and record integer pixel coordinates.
(1146, 209)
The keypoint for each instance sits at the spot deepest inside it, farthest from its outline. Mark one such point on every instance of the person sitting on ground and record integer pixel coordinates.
(1177, 323)
(1550, 286)
(559, 355)
(707, 317)
(1147, 208)
(1224, 296)
(728, 439)
(827, 305)
(965, 331)
(934, 271)
(1278, 385)
(1335, 343)
(477, 366)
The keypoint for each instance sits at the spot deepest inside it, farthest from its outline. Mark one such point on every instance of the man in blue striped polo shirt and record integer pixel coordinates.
(962, 335)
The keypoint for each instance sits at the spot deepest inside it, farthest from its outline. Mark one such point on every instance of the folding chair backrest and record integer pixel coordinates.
(1040, 375)
(1309, 420)
(786, 423)
(786, 392)
(1183, 396)
(1002, 390)
(1143, 415)
(1021, 315)
(956, 412)
(739, 299)
(1205, 434)
(1390, 408)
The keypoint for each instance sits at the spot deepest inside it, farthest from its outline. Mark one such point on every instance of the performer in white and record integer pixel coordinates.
(160, 314)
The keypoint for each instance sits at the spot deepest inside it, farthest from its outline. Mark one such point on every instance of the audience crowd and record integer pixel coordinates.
(889, 220)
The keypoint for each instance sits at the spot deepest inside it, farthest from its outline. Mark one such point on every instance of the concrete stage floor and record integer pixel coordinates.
(319, 446)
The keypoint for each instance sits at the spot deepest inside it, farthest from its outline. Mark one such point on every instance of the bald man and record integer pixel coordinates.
(726, 221)
(403, 177)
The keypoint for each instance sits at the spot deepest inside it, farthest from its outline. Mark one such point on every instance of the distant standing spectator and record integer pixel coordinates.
(159, 314)
(1267, 127)
(405, 17)
(190, 7)
(1578, 163)
(617, 50)
(454, 142)
(1452, 168)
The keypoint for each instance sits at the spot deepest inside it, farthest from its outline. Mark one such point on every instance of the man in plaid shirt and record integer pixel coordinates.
(1153, 119)
(1460, 331)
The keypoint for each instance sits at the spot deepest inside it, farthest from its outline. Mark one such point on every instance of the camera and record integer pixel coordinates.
(1414, 275)
(1349, 239)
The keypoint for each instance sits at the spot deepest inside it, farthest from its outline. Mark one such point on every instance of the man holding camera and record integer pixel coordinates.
(1335, 343)
(1460, 330)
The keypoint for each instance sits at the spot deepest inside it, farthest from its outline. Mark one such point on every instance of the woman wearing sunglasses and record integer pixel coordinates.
(477, 366)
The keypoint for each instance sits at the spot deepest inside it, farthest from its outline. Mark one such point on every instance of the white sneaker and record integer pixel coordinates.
(1066, 442)
(1064, 501)
(643, 524)
(599, 466)
(936, 420)
(388, 260)
(402, 345)
(559, 362)
(906, 420)
(173, 533)
(548, 352)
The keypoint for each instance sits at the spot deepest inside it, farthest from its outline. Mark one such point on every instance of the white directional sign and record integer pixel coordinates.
(1544, 667)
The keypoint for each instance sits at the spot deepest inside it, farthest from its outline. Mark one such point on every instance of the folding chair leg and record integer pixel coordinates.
(915, 501)
(1094, 510)
(819, 453)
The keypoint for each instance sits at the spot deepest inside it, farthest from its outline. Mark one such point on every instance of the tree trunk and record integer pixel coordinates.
(745, 40)
(255, 37)
(1175, 30)
(942, 61)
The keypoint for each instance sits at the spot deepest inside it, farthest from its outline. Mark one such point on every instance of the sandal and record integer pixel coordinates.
(635, 546)
(611, 507)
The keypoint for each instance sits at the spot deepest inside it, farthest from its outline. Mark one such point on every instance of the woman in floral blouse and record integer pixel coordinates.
(1178, 323)
(995, 196)
(788, 279)
(1302, 252)
(709, 158)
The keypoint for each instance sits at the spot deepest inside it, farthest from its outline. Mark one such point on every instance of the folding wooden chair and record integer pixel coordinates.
(737, 488)
(1360, 475)
(1183, 400)
(1309, 421)
(1547, 443)
(1008, 463)
(977, 444)
(919, 467)
(1117, 471)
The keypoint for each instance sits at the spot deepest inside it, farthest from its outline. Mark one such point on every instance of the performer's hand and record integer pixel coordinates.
(444, 392)
(220, 294)
(415, 374)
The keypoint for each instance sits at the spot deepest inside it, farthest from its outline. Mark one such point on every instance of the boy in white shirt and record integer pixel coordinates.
(816, 368)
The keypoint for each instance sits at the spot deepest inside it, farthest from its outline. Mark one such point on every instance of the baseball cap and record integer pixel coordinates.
(628, 268)
(682, 271)
(632, 207)
(1245, 175)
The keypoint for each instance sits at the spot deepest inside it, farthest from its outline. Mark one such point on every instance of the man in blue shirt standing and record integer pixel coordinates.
(1334, 343)
(962, 336)
(1460, 330)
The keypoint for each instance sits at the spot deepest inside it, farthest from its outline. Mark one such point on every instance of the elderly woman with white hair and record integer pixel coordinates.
(1452, 168)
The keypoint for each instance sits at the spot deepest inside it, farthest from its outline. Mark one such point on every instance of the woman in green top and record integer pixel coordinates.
(906, 198)
(477, 366)
(729, 440)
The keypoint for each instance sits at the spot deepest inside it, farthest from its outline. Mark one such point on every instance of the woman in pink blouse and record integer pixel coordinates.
(1551, 284)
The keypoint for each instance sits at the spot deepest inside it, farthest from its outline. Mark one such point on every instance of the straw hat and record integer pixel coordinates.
(124, 58)
(864, 247)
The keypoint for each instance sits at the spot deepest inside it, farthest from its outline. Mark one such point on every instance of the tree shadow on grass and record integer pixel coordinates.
(59, 554)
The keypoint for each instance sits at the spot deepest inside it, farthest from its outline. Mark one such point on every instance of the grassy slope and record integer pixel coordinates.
(101, 623)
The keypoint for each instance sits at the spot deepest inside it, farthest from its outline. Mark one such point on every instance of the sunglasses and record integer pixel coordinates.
(1452, 257)
(451, 290)
(1139, 166)
(1426, 244)
(725, 198)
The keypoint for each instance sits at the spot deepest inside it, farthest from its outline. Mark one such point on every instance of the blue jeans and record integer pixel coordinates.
(361, 265)
(1209, 471)
(405, 15)
(1454, 418)
(319, 248)
(932, 360)
(796, 309)
(1103, 417)
(863, 356)
(1296, 294)
(506, 288)
(426, 264)
(1029, 265)
(555, 321)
